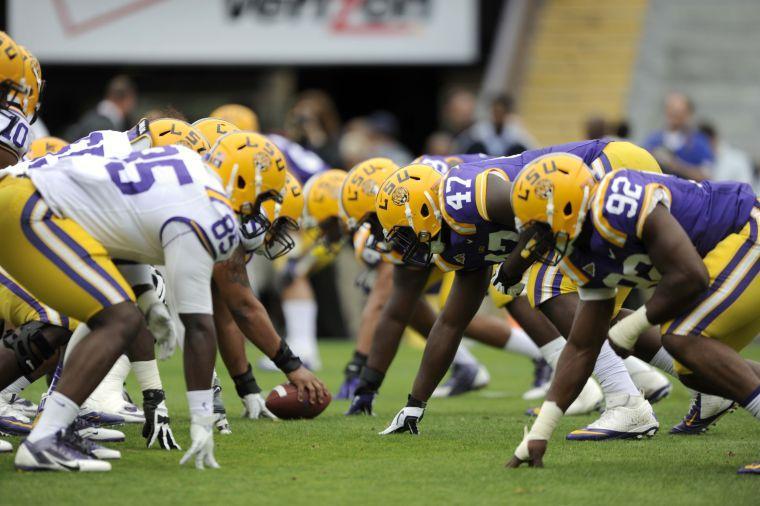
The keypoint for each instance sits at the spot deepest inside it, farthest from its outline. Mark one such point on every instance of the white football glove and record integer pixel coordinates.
(202, 435)
(405, 421)
(159, 322)
(256, 407)
(157, 421)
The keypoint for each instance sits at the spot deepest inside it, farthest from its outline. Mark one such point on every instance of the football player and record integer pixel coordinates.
(66, 221)
(425, 214)
(241, 116)
(696, 243)
(386, 302)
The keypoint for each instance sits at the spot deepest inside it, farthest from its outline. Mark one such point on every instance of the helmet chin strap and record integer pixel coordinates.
(582, 212)
(233, 176)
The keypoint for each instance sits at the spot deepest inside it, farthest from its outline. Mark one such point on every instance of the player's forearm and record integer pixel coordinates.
(200, 351)
(674, 294)
(385, 342)
(254, 322)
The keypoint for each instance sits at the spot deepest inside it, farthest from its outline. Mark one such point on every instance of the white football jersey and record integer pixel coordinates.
(15, 133)
(126, 203)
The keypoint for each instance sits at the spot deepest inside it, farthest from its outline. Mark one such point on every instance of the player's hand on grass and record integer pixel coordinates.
(361, 404)
(202, 448)
(529, 451)
(405, 421)
(256, 407)
(156, 427)
(309, 386)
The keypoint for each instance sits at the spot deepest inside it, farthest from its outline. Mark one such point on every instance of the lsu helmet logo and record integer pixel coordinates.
(262, 161)
(400, 196)
(544, 189)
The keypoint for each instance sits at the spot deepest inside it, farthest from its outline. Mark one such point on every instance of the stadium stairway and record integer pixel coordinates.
(562, 86)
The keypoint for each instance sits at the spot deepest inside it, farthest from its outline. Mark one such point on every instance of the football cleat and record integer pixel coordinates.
(113, 410)
(405, 421)
(626, 417)
(590, 399)
(88, 431)
(13, 422)
(99, 418)
(542, 380)
(5, 446)
(56, 453)
(463, 379)
(362, 404)
(705, 411)
(220, 413)
(27, 407)
(89, 447)
(751, 468)
(654, 385)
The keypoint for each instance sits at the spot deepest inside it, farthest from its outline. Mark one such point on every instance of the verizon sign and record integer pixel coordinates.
(247, 31)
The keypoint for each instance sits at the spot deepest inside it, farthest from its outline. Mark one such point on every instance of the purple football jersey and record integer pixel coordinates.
(302, 163)
(442, 164)
(610, 252)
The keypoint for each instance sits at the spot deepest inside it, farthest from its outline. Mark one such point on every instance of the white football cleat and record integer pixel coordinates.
(463, 379)
(590, 399)
(56, 453)
(626, 417)
(5, 446)
(111, 405)
(27, 407)
(654, 385)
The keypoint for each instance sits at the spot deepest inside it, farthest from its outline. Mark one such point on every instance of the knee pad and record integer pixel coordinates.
(29, 345)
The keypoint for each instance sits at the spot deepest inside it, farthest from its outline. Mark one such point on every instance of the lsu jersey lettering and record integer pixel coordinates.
(442, 164)
(14, 132)
(108, 143)
(302, 163)
(609, 252)
(126, 203)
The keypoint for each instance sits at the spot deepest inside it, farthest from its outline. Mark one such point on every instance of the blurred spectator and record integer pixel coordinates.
(314, 123)
(458, 111)
(383, 134)
(622, 129)
(680, 148)
(111, 113)
(355, 145)
(731, 164)
(439, 144)
(501, 134)
(595, 127)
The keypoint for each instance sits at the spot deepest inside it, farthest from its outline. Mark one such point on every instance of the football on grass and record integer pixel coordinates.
(283, 402)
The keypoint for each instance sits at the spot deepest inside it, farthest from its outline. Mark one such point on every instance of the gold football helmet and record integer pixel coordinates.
(252, 170)
(285, 218)
(408, 209)
(168, 131)
(552, 193)
(213, 128)
(360, 187)
(30, 103)
(239, 115)
(45, 145)
(322, 193)
(13, 89)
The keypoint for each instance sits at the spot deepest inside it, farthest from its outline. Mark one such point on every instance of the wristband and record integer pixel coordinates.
(246, 384)
(546, 422)
(285, 360)
(626, 332)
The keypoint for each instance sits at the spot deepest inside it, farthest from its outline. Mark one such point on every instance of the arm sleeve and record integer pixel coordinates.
(188, 270)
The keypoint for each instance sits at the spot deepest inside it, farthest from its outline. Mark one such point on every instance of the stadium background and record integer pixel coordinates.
(404, 68)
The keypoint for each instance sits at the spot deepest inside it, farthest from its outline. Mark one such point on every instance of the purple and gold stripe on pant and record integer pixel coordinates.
(728, 286)
(67, 254)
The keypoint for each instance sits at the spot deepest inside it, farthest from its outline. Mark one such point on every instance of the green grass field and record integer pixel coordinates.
(458, 458)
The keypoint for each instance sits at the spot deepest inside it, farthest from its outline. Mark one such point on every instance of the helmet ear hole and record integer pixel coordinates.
(240, 182)
(568, 209)
(424, 211)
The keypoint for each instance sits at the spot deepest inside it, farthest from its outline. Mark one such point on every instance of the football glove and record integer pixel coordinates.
(159, 322)
(500, 282)
(405, 421)
(202, 448)
(256, 407)
(156, 427)
(362, 404)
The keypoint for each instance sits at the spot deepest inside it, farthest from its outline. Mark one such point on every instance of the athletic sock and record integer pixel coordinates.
(664, 362)
(301, 324)
(464, 357)
(752, 403)
(60, 412)
(520, 342)
(147, 375)
(611, 373)
(552, 350)
(16, 387)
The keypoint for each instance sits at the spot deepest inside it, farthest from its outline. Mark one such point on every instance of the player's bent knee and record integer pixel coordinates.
(122, 321)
